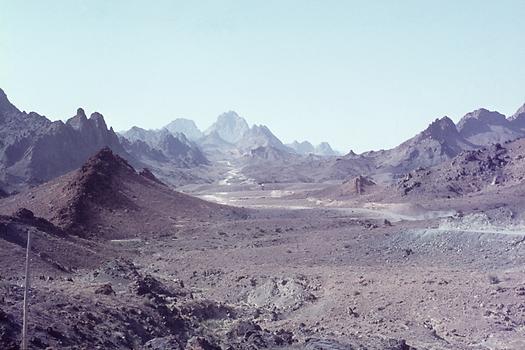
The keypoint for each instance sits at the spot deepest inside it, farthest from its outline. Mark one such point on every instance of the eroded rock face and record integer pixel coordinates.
(34, 150)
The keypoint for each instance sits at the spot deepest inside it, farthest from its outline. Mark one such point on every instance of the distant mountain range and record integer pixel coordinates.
(229, 137)
(34, 149)
(305, 148)
(441, 141)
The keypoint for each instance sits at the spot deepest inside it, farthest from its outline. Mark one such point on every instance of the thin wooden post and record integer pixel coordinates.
(27, 285)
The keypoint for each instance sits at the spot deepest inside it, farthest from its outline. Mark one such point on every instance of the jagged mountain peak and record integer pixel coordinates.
(229, 115)
(260, 136)
(305, 143)
(261, 129)
(306, 147)
(324, 149)
(5, 104)
(441, 129)
(519, 116)
(79, 120)
(174, 134)
(230, 127)
(98, 120)
(517, 120)
(481, 115)
(303, 147)
(185, 126)
(81, 112)
(483, 127)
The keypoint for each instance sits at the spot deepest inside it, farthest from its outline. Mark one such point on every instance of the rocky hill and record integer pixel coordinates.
(498, 166)
(107, 199)
(440, 142)
(483, 127)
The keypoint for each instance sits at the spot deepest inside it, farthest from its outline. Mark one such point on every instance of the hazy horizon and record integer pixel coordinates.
(360, 76)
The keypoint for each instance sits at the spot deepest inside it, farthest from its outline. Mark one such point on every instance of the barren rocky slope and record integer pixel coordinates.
(497, 166)
(106, 198)
(97, 283)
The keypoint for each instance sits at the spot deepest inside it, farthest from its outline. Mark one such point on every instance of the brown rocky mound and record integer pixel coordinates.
(107, 199)
(97, 183)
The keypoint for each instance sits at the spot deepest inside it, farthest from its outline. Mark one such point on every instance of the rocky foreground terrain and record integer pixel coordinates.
(121, 261)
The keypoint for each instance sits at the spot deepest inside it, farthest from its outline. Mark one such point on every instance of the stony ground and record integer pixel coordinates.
(309, 277)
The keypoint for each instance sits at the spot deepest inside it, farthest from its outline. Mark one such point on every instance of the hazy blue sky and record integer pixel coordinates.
(359, 74)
